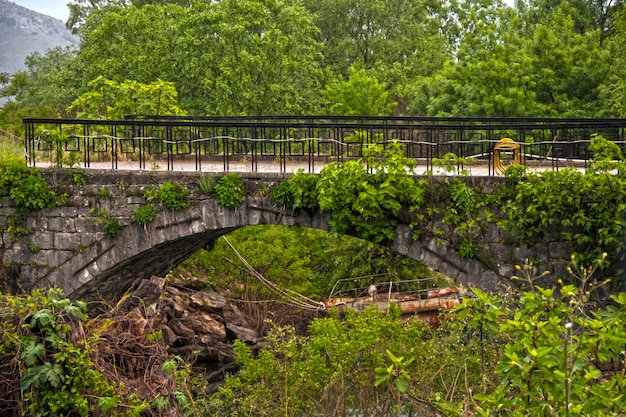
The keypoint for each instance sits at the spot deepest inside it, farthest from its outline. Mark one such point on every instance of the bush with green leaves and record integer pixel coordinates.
(370, 205)
(299, 191)
(144, 214)
(282, 194)
(230, 191)
(463, 213)
(26, 186)
(170, 194)
(47, 365)
(589, 209)
(564, 355)
(337, 369)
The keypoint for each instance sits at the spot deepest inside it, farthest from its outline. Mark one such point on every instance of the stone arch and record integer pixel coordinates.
(110, 266)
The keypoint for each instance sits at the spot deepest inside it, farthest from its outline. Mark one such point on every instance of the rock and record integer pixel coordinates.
(243, 333)
(208, 301)
(181, 330)
(203, 323)
(177, 306)
(200, 326)
(146, 293)
(169, 337)
(232, 315)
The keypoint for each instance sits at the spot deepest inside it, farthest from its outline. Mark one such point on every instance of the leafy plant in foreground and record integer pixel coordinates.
(230, 191)
(342, 368)
(170, 194)
(47, 350)
(558, 361)
(144, 214)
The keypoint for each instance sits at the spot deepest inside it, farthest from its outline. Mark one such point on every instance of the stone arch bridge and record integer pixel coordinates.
(65, 247)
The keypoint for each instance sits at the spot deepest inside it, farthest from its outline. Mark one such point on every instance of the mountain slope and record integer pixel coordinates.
(23, 31)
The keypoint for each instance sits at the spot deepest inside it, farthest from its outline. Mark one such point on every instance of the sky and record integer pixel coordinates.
(54, 8)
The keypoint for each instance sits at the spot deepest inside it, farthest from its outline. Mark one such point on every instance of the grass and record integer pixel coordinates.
(10, 146)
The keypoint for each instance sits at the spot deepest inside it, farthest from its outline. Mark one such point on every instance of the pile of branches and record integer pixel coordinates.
(55, 361)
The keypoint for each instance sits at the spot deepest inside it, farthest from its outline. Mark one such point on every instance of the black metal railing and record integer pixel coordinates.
(287, 143)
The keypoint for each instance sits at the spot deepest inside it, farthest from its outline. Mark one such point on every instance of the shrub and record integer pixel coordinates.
(207, 184)
(112, 227)
(53, 361)
(230, 191)
(282, 194)
(174, 196)
(25, 185)
(144, 214)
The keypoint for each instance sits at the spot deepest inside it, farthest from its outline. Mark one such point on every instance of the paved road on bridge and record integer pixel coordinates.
(290, 168)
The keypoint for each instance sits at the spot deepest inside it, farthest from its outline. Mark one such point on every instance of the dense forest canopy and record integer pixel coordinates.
(554, 58)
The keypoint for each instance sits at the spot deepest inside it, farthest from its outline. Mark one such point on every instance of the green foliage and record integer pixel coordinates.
(588, 208)
(207, 184)
(171, 195)
(57, 374)
(174, 196)
(144, 214)
(371, 205)
(463, 213)
(50, 353)
(112, 100)
(514, 174)
(606, 155)
(307, 261)
(227, 58)
(10, 148)
(298, 192)
(112, 227)
(282, 194)
(78, 176)
(395, 41)
(304, 190)
(508, 67)
(359, 95)
(344, 365)
(558, 346)
(230, 191)
(468, 249)
(452, 163)
(104, 192)
(25, 185)
(395, 372)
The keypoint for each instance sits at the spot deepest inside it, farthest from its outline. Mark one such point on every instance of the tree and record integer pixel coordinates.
(108, 99)
(359, 95)
(45, 89)
(230, 57)
(125, 44)
(505, 69)
(51, 80)
(262, 58)
(612, 92)
(81, 9)
(587, 15)
(489, 78)
(394, 41)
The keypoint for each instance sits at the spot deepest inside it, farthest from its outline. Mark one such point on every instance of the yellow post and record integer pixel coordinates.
(505, 145)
